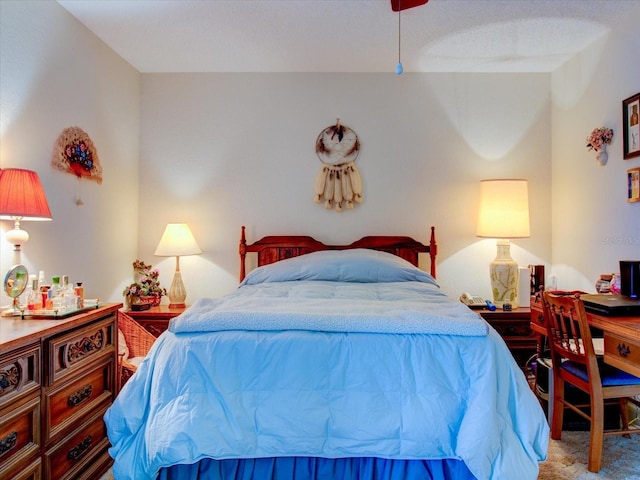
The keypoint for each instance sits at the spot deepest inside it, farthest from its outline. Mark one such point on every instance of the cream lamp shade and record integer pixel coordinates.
(504, 214)
(177, 241)
(22, 198)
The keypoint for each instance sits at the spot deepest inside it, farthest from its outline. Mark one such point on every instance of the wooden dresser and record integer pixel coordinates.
(57, 379)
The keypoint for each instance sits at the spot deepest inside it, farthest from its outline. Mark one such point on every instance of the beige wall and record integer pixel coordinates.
(593, 225)
(224, 150)
(55, 74)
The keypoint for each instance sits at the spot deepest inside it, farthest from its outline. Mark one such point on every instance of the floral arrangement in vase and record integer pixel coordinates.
(146, 286)
(598, 141)
(599, 138)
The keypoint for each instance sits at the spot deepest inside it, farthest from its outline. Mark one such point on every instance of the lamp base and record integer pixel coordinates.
(177, 292)
(504, 277)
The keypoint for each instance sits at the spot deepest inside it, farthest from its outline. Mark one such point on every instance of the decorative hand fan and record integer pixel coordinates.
(338, 182)
(75, 153)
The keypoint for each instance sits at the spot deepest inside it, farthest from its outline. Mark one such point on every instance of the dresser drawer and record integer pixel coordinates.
(19, 436)
(19, 374)
(513, 330)
(72, 456)
(31, 472)
(64, 404)
(622, 352)
(70, 352)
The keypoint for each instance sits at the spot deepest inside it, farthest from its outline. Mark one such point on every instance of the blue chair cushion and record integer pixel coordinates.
(611, 376)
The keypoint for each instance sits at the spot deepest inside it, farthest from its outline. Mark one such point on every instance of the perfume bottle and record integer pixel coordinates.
(54, 300)
(80, 295)
(34, 300)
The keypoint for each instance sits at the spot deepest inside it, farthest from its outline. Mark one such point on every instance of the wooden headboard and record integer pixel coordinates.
(280, 247)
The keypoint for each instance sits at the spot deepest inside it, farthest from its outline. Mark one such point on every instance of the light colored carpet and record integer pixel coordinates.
(567, 459)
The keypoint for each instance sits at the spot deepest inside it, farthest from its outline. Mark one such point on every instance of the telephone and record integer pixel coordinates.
(473, 301)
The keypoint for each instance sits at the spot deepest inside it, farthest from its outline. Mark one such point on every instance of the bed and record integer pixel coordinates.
(329, 362)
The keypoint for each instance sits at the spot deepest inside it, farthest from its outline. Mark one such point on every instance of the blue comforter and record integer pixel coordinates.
(217, 392)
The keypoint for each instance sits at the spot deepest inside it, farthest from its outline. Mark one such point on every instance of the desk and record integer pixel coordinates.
(621, 341)
(621, 336)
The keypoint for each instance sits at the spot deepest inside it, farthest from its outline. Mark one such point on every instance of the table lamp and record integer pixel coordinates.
(21, 198)
(177, 241)
(504, 214)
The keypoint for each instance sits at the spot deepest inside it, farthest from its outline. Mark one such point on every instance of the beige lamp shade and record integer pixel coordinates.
(504, 214)
(177, 241)
(504, 209)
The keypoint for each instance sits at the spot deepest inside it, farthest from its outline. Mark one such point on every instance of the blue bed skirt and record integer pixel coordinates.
(305, 468)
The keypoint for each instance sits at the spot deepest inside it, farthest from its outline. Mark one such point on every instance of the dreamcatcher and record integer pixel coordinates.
(338, 183)
(74, 153)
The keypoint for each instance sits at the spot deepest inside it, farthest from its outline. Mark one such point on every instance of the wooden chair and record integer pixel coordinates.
(575, 362)
(137, 343)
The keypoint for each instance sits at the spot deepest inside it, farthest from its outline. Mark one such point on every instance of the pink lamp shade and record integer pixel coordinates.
(21, 198)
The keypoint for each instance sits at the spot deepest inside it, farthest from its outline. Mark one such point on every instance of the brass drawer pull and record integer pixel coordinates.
(80, 396)
(8, 442)
(77, 451)
(623, 350)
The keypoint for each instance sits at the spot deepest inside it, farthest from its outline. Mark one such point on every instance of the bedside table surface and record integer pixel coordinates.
(498, 314)
(159, 312)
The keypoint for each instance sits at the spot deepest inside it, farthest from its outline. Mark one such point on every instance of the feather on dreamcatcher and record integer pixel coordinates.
(338, 183)
(75, 153)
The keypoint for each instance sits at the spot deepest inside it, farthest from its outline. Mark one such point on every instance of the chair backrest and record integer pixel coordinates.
(568, 332)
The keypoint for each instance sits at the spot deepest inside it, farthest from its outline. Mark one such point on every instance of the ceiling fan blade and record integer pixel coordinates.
(397, 5)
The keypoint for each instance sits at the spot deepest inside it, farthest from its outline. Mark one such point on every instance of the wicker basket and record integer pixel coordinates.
(139, 342)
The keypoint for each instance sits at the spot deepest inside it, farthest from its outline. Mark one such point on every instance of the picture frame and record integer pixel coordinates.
(631, 126)
(633, 185)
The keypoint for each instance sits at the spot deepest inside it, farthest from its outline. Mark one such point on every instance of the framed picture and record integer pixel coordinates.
(631, 126)
(633, 185)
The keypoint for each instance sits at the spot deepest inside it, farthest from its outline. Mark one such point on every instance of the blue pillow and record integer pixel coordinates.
(357, 265)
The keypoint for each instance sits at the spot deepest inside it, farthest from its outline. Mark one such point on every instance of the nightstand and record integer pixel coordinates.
(515, 328)
(156, 319)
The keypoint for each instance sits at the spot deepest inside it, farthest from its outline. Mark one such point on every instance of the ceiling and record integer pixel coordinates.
(349, 35)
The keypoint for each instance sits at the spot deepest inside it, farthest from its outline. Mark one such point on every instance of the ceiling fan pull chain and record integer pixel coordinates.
(399, 68)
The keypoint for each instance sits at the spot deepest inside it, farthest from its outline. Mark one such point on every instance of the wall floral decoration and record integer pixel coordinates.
(75, 153)
(338, 183)
(598, 140)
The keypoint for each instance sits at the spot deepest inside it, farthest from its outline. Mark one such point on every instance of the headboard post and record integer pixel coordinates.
(242, 249)
(433, 251)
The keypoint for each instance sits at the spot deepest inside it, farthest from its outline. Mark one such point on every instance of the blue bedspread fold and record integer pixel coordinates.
(395, 307)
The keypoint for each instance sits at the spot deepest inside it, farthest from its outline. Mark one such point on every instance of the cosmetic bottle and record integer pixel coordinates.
(80, 294)
(34, 300)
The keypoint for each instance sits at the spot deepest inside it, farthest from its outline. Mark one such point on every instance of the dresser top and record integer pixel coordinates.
(14, 331)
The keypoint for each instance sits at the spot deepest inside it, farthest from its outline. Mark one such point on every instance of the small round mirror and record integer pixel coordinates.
(15, 281)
